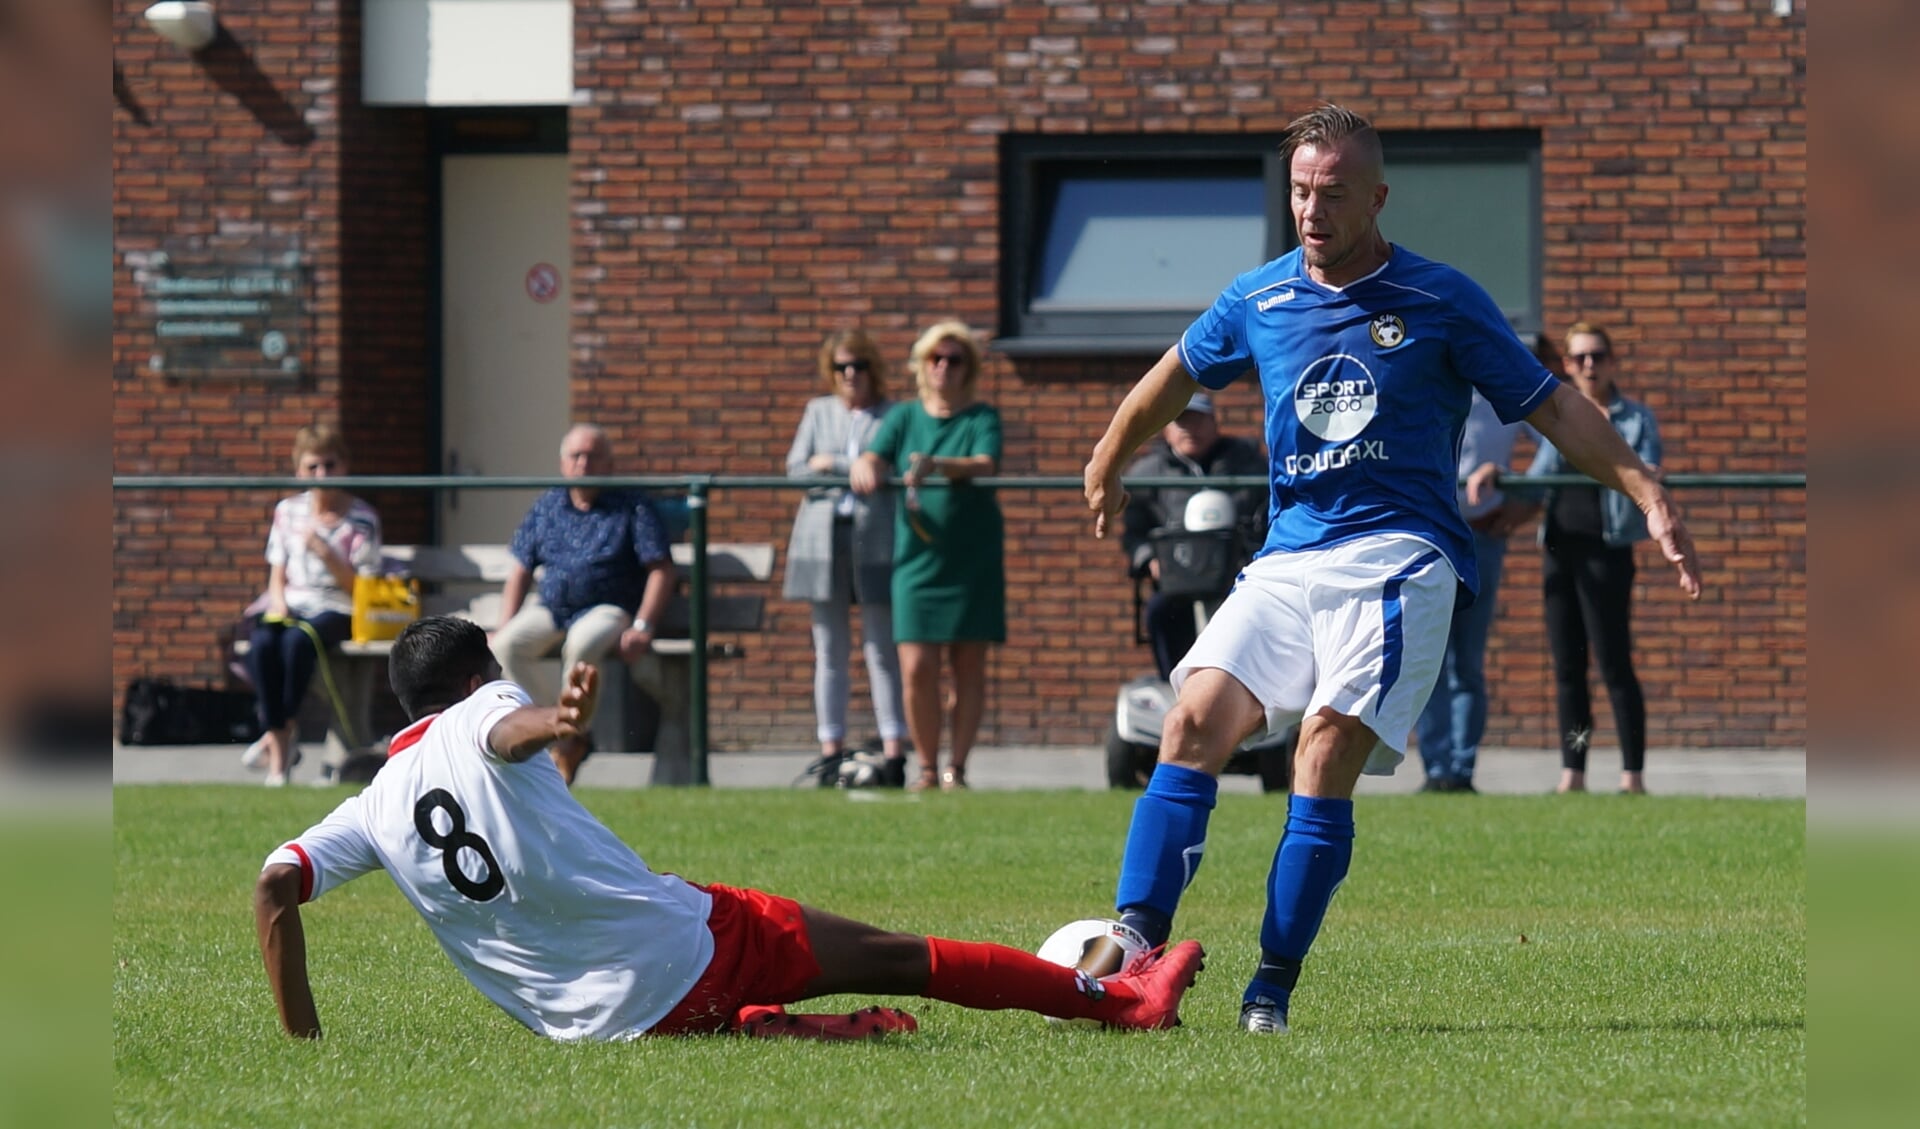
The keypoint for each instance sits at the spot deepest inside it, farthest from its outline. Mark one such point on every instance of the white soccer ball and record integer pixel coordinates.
(1080, 941)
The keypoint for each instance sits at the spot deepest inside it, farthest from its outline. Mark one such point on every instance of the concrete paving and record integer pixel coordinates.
(1702, 772)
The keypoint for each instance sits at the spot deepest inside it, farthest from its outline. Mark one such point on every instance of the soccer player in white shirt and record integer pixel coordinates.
(561, 924)
(1367, 357)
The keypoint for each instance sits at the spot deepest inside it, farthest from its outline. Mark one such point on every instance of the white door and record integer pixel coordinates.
(504, 390)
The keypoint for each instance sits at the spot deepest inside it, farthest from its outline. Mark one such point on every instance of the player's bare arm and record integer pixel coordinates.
(1581, 432)
(1154, 402)
(283, 948)
(530, 729)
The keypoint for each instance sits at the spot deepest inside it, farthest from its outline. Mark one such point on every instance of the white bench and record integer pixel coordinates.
(466, 581)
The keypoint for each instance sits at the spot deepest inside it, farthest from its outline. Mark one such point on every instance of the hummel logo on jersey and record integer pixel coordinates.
(1265, 304)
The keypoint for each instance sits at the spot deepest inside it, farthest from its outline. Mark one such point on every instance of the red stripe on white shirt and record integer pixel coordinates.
(306, 872)
(410, 736)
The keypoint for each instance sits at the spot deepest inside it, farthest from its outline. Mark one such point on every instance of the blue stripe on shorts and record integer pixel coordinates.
(1393, 631)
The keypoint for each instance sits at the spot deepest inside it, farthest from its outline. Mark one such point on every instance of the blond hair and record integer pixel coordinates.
(1590, 329)
(953, 330)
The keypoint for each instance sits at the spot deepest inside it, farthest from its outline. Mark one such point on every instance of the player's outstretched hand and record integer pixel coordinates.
(1105, 496)
(578, 698)
(1676, 544)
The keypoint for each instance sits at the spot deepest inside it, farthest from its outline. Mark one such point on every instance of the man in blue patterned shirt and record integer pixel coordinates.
(605, 576)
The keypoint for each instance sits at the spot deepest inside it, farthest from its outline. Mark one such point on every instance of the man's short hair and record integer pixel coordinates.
(433, 662)
(595, 434)
(1326, 125)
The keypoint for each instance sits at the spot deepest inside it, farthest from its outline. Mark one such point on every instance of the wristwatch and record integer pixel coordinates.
(643, 626)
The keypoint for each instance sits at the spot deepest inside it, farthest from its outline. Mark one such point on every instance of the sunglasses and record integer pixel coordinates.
(1583, 358)
(856, 366)
(947, 359)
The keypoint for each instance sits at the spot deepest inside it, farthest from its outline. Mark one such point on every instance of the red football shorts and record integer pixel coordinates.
(761, 955)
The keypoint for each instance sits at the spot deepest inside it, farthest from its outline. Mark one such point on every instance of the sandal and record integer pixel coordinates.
(928, 780)
(953, 780)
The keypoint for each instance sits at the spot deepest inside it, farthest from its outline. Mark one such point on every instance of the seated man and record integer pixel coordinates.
(608, 576)
(558, 922)
(1190, 445)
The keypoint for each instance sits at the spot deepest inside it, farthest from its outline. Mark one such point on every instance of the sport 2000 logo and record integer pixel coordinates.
(1336, 397)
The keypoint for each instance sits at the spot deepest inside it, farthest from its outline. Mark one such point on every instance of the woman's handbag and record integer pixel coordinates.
(383, 606)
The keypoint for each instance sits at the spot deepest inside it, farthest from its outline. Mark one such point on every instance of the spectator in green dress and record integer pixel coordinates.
(949, 581)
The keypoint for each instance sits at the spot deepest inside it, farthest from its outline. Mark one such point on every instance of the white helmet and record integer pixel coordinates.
(1209, 511)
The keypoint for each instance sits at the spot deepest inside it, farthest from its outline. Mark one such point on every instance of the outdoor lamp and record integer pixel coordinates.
(191, 24)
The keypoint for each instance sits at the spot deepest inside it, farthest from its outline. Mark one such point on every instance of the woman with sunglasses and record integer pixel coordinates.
(1588, 534)
(949, 581)
(841, 553)
(319, 541)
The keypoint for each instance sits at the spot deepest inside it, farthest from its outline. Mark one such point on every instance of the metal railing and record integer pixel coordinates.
(698, 488)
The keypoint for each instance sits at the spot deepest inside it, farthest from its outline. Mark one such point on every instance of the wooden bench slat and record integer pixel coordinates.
(478, 564)
(729, 561)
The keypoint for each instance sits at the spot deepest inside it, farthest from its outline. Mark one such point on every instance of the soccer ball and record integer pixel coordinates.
(1078, 942)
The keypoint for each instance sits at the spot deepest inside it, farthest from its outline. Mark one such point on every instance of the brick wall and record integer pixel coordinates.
(260, 136)
(749, 176)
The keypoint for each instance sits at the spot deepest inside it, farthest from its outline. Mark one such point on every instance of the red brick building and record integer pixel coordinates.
(743, 177)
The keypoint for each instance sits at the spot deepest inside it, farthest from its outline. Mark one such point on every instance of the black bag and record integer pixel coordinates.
(156, 712)
(1198, 566)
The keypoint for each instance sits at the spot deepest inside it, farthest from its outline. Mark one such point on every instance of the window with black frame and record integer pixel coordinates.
(1113, 244)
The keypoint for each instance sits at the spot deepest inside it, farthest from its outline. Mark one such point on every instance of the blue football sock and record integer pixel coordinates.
(1274, 979)
(1164, 846)
(1308, 867)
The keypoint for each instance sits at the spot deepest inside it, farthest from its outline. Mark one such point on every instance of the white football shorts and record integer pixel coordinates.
(1361, 627)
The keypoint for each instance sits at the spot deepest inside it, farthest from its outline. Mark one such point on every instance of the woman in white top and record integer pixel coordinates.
(319, 541)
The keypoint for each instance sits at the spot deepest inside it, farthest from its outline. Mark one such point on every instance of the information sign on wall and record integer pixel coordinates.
(225, 310)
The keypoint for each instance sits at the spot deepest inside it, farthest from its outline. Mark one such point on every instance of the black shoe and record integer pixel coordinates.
(824, 770)
(1462, 784)
(893, 772)
(1437, 784)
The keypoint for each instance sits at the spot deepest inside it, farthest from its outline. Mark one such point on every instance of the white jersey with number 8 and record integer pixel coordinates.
(546, 911)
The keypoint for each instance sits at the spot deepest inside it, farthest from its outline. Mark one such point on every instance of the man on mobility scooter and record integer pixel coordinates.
(1184, 547)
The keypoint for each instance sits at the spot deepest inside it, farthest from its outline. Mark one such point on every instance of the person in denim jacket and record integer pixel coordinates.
(1588, 533)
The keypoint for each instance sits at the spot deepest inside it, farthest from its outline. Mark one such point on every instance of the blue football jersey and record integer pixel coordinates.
(1367, 389)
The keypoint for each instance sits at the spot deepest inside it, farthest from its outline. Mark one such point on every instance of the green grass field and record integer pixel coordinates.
(1490, 961)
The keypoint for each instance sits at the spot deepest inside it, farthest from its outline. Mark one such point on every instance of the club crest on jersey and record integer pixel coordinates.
(1387, 330)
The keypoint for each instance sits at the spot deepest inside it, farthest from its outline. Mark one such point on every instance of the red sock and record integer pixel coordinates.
(992, 977)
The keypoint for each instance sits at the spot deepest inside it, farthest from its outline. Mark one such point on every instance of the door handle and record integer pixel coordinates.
(453, 468)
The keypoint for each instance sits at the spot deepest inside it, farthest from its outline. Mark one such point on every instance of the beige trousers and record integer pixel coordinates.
(524, 642)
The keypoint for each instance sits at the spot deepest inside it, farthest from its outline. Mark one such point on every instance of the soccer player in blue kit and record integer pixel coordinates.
(1367, 357)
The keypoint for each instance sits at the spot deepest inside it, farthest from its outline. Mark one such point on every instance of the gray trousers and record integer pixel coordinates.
(832, 647)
